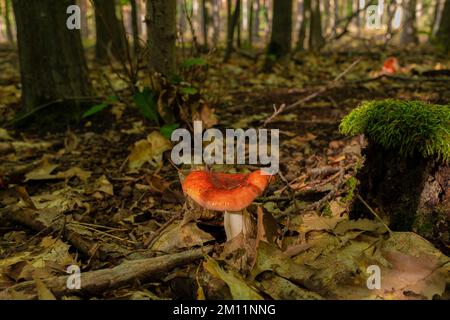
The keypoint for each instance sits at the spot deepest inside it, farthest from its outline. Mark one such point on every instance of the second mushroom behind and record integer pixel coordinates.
(228, 192)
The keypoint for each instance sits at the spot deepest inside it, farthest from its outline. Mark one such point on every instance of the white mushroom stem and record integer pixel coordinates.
(235, 223)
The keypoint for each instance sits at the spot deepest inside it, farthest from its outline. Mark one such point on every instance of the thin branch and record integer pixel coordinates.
(332, 84)
(96, 282)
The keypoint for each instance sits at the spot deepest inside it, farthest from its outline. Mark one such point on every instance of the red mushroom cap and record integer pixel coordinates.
(391, 65)
(225, 191)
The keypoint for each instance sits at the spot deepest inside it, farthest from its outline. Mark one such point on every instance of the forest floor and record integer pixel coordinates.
(71, 199)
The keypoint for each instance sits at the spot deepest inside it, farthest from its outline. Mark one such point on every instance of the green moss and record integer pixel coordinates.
(352, 182)
(326, 212)
(406, 126)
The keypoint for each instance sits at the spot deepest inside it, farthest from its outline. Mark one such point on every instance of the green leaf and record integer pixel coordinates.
(175, 79)
(188, 90)
(99, 107)
(146, 102)
(193, 62)
(167, 130)
(95, 109)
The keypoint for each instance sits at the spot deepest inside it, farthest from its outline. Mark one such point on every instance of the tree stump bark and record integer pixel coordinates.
(413, 193)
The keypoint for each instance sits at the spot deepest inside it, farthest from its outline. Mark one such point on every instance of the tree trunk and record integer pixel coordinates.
(135, 26)
(336, 16)
(204, 22)
(316, 40)
(52, 62)
(162, 34)
(409, 33)
(216, 21)
(110, 35)
(8, 25)
(443, 33)
(232, 22)
(359, 17)
(239, 28)
(306, 13)
(251, 12)
(281, 37)
(139, 15)
(256, 19)
(437, 14)
(413, 193)
(391, 8)
(84, 22)
(327, 13)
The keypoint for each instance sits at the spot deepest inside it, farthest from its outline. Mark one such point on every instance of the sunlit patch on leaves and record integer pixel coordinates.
(179, 236)
(148, 151)
(240, 290)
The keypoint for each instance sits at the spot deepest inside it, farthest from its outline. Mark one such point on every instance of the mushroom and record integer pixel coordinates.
(228, 192)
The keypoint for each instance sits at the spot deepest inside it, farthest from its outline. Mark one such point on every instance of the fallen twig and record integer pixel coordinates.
(47, 219)
(95, 282)
(332, 84)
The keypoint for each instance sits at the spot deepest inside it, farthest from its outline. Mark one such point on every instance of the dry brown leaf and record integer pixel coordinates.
(149, 150)
(179, 236)
(43, 292)
(317, 223)
(240, 290)
(42, 171)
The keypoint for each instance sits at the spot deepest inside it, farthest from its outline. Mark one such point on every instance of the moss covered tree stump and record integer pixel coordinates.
(405, 177)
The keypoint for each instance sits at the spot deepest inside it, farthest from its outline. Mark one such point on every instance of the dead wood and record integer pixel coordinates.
(96, 282)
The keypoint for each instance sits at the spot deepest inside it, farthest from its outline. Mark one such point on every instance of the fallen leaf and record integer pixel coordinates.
(240, 290)
(179, 236)
(315, 222)
(102, 184)
(42, 171)
(149, 150)
(4, 135)
(42, 291)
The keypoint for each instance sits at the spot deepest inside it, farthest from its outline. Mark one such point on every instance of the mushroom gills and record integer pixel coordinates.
(235, 223)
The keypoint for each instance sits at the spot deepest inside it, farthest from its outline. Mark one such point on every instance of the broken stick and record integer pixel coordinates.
(96, 282)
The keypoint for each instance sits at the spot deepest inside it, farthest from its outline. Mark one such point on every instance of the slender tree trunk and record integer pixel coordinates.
(327, 13)
(8, 25)
(359, 18)
(409, 33)
(239, 27)
(281, 37)
(52, 62)
(110, 35)
(204, 22)
(182, 21)
(306, 13)
(251, 13)
(257, 10)
(443, 33)
(162, 33)
(232, 23)
(135, 26)
(216, 21)
(336, 16)
(391, 8)
(316, 40)
(84, 22)
(139, 15)
(437, 14)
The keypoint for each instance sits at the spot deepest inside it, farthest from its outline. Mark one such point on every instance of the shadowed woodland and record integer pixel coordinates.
(93, 92)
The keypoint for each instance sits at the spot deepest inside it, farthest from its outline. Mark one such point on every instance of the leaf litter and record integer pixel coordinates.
(95, 195)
